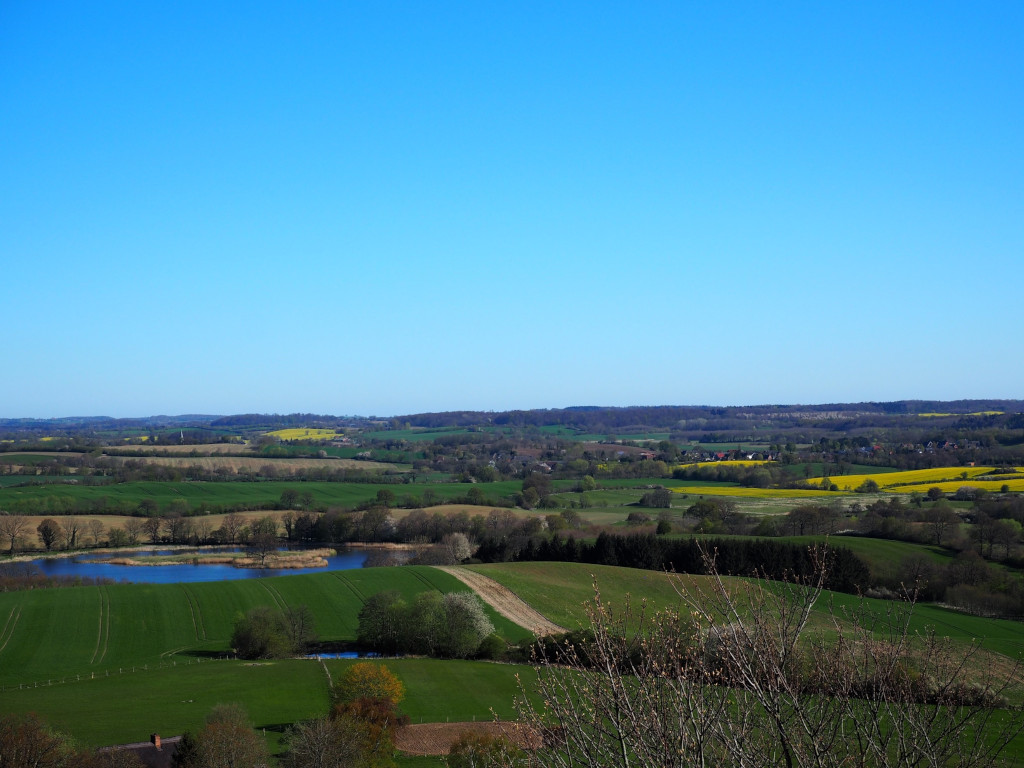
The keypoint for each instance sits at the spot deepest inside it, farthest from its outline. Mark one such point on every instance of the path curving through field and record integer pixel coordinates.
(504, 601)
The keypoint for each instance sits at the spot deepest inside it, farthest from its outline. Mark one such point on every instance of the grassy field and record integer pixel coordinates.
(159, 645)
(85, 631)
(170, 700)
(559, 591)
(260, 495)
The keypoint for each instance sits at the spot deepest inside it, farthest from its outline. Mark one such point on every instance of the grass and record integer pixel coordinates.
(559, 590)
(264, 495)
(172, 699)
(59, 633)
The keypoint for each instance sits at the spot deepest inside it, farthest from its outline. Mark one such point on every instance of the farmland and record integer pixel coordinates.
(57, 633)
(506, 489)
(912, 477)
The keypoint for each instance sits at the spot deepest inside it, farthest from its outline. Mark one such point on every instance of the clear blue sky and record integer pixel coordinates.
(385, 208)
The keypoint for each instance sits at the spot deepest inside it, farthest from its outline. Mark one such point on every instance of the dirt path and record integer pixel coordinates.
(504, 601)
(437, 738)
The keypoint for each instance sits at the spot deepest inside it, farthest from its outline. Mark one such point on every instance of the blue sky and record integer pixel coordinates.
(386, 208)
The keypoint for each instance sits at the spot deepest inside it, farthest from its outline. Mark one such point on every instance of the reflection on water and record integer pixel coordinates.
(85, 565)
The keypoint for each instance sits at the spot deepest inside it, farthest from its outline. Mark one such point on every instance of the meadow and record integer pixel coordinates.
(172, 699)
(560, 590)
(99, 630)
(254, 495)
(113, 664)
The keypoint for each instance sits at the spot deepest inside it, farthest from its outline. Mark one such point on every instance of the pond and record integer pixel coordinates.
(85, 566)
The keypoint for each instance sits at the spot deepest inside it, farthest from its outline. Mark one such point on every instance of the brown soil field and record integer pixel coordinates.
(437, 738)
(504, 601)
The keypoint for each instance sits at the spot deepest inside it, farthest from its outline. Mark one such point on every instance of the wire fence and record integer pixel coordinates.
(112, 672)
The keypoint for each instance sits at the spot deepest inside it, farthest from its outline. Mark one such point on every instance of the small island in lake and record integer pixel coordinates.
(308, 558)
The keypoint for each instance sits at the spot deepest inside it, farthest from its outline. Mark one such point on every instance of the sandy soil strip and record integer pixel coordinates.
(504, 601)
(437, 738)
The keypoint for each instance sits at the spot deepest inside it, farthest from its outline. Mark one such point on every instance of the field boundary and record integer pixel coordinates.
(504, 601)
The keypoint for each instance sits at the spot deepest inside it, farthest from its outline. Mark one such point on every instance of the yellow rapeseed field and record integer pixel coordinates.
(952, 486)
(976, 413)
(302, 433)
(889, 479)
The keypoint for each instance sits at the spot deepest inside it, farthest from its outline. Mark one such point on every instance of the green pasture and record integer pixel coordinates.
(262, 495)
(172, 699)
(560, 590)
(86, 631)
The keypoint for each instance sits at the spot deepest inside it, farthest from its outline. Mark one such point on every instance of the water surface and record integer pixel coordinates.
(85, 566)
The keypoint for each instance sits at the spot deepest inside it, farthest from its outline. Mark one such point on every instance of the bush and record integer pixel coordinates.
(493, 648)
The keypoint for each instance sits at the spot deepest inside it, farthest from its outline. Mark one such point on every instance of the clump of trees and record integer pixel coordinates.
(739, 677)
(265, 633)
(453, 625)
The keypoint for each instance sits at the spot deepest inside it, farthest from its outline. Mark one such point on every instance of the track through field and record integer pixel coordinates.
(504, 601)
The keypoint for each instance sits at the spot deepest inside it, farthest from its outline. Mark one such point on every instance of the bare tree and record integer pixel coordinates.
(96, 531)
(134, 527)
(325, 743)
(757, 673)
(69, 530)
(12, 528)
(151, 525)
(232, 525)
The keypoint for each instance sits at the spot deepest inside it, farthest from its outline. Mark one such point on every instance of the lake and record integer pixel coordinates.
(85, 565)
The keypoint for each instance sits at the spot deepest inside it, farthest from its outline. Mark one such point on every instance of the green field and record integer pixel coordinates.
(86, 631)
(113, 664)
(559, 591)
(254, 495)
(126, 708)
